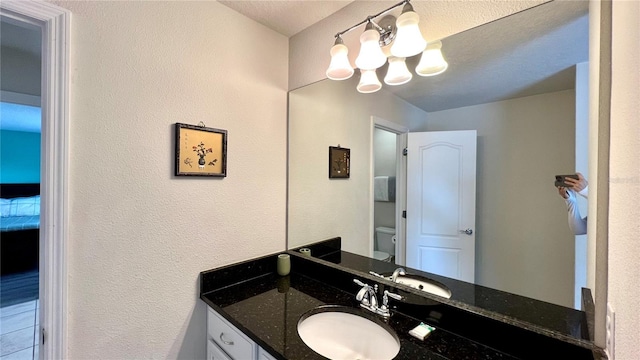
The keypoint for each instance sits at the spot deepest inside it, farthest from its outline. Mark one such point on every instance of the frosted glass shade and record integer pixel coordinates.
(368, 82)
(409, 40)
(397, 73)
(432, 62)
(371, 56)
(339, 68)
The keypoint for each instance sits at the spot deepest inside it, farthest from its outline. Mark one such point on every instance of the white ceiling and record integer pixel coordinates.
(287, 17)
(528, 53)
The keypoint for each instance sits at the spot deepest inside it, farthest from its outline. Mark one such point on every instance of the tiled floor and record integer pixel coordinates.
(18, 331)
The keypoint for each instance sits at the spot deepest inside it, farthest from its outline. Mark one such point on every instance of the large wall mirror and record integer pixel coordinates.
(521, 84)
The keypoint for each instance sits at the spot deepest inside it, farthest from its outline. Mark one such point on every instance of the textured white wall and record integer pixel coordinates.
(20, 71)
(138, 235)
(523, 243)
(309, 49)
(624, 183)
(326, 114)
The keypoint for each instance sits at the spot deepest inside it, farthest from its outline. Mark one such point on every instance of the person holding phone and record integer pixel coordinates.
(568, 192)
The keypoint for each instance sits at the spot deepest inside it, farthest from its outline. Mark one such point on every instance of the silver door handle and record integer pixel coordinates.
(224, 341)
(468, 231)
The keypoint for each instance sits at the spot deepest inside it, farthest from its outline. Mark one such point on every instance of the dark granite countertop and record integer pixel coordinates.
(267, 308)
(545, 318)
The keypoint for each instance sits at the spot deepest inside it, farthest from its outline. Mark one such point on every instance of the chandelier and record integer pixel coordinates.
(405, 40)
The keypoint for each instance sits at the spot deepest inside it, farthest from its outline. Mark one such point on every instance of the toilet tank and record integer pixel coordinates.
(384, 239)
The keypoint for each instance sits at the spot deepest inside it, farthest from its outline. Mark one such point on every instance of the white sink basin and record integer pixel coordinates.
(338, 332)
(424, 285)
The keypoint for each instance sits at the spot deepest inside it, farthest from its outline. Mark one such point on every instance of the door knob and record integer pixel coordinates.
(468, 231)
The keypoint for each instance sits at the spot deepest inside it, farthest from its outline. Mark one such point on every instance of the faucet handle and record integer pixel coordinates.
(360, 283)
(364, 295)
(388, 294)
(378, 275)
(385, 299)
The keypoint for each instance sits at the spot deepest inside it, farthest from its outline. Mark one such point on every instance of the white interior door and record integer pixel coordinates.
(441, 203)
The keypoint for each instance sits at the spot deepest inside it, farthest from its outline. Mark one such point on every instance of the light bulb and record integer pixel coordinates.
(409, 40)
(371, 56)
(368, 82)
(339, 68)
(397, 73)
(432, 62)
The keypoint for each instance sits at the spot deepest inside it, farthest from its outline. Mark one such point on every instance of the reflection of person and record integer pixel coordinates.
(577, 223)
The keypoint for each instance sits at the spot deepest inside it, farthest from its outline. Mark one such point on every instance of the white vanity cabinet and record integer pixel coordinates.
(214, 352)
(226, 342)
(263, 355)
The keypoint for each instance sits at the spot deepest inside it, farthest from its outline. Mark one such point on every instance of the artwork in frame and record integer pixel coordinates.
(200, 151)
(339, 159)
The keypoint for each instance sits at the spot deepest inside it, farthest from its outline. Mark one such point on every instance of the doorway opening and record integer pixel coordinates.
(20, 150)
(388, 171)
(54, 24)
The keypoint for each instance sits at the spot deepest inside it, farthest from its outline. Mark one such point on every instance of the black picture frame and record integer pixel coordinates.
(200, 151)
(339, 162)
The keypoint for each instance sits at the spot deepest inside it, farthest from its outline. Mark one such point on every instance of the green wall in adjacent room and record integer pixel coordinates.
(19, 157)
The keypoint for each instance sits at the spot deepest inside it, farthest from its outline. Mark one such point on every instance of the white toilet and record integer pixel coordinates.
(385, 243)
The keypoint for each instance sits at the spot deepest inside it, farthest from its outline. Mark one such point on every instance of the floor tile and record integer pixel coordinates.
(16, 341)
(26, 354)
(36, 332)
(17, 308)
(18, 321)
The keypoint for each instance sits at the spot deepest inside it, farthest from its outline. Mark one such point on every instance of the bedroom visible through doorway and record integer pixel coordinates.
(20, 164)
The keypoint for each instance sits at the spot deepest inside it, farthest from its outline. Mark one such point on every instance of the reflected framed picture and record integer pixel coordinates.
(200, 151)
(339, 159)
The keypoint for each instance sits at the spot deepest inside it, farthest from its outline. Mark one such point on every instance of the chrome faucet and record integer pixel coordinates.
(369, 300)
(397, 272)
(367, 295)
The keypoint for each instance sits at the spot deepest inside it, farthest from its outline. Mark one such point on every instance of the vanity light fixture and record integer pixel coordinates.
(397, 73)
(409, 40)
(371, 56)
(339, 69)
(368, 82)
(432, 62)
(405, 39)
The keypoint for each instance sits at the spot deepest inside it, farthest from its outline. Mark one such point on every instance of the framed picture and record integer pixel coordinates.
(338, 162)
(200, 151)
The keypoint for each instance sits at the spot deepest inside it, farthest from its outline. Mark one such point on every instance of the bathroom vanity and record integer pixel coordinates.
(253, 313)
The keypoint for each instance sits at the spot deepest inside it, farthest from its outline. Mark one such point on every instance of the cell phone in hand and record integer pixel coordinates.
(560, 180)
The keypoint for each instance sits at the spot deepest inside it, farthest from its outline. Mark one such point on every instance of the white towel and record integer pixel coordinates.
(381, 188)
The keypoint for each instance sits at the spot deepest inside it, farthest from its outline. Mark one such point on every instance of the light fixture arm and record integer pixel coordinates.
(371, 17)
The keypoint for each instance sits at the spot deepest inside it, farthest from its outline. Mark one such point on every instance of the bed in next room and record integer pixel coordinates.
(20, 227)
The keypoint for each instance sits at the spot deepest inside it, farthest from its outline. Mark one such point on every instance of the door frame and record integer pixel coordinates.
(401, 182)
(54, 168)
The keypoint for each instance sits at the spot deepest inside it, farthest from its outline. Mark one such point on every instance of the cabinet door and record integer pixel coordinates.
(232, 341)
(263, 355)
(214, 352)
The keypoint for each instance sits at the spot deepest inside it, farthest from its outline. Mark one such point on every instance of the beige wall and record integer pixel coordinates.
(138, 235)
(326, 114)
(523, 243)
(624, 181)
(134, 252)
